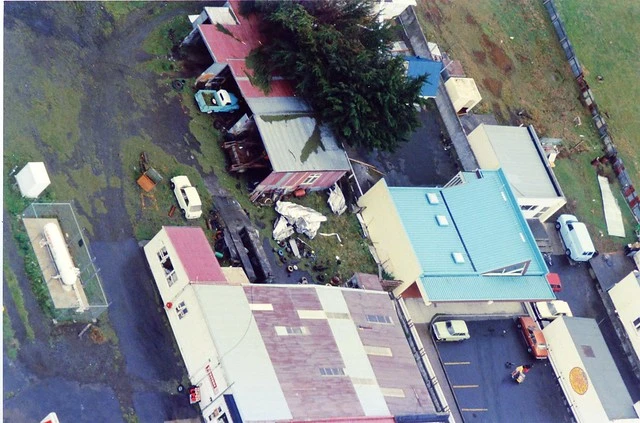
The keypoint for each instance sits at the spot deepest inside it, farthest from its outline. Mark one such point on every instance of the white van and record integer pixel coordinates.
(550, 310)
(575, 237)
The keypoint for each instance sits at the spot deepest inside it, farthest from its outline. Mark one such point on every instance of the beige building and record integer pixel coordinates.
(464, 94)
(518, 152)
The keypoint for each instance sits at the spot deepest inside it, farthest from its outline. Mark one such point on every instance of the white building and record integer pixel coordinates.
(33, 179)
(625, 296)
(518, 152)
(389, 9)
(587, 372)
(267, 352)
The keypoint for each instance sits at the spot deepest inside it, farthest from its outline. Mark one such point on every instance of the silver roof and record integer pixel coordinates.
(297, 142)
(523, 162)
(600, 367)
(280, 105)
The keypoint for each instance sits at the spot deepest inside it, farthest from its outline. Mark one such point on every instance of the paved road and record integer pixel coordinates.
(482, 383)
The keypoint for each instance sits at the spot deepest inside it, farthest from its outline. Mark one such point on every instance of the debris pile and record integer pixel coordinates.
(294, 216)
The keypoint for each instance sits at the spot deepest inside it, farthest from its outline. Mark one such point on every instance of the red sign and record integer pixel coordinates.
(211, 378)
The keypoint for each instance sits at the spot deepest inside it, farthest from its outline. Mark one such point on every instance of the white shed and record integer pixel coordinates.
(464, 94)
(33, 179)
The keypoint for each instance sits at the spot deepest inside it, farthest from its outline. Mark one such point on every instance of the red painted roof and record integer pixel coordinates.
(233, 50)
(195, 254)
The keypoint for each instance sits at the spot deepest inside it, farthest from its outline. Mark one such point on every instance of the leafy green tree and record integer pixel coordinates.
(338, 56)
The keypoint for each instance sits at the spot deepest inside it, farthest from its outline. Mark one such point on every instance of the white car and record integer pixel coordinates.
(550, 310)
(451, 330)
(575, 237)
(187, 196)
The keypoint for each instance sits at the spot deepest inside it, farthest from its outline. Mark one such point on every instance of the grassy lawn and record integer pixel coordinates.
(511, 50)
(606, 39)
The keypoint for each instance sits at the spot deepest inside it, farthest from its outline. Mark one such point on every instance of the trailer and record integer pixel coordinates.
(587, 373)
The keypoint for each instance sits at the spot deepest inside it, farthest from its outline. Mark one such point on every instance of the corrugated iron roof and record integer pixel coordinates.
(488, 217)
(195, 254)
(297, 142)
(485, 288)
(521, 160)
(418, 67)
(433, 244)
(481, 223)
(266, 367)
(231, 44)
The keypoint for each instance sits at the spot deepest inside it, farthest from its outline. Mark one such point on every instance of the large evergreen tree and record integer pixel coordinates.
(337, 55)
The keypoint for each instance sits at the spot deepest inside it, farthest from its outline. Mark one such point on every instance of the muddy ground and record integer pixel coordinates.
(81, 380)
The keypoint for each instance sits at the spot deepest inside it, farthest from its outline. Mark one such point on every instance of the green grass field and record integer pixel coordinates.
(606, 39)
(512, 52)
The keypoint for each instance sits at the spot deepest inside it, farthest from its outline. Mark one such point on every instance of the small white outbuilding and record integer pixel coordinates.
(33, 179)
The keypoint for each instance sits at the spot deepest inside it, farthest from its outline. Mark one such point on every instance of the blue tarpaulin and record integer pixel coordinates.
(418, 67)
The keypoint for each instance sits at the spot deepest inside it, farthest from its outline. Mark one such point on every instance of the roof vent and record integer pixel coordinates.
(522, 237)
(432, 198)
(442, 220)
(457, 257)
(504, 196)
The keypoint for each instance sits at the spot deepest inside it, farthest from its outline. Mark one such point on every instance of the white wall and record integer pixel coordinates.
(625, 296)
(151, 252)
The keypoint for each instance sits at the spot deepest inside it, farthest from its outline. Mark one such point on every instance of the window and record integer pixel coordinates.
(181, 309)
(331, 371)
(172, 278)
(163, 254)
(377, 318)
(517, 269)
(291, 330)
(169, 271)
(541, 212)
(527, 207)
(311, 179)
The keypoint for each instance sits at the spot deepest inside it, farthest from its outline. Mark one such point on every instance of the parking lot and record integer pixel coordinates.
(477, 370)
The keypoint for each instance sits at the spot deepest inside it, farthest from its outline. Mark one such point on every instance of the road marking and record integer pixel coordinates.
(455, 363)
(474, 409)
(465, 386)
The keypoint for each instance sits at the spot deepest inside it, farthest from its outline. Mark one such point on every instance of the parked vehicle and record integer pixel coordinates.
(533, 337)
(575, 237)
(550, 310)
(187, 196)
(218, 101)
(554, 282)
(451, 330)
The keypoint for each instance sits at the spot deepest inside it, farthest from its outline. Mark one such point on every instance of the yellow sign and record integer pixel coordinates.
(579, 381)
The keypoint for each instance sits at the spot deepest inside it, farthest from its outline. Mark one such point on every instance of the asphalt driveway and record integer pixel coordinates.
(477, 372)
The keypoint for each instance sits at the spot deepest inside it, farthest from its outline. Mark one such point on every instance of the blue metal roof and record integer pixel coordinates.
(493, 229)
(486, 226)
(479, 288)
(432, 243)
(418, 67)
